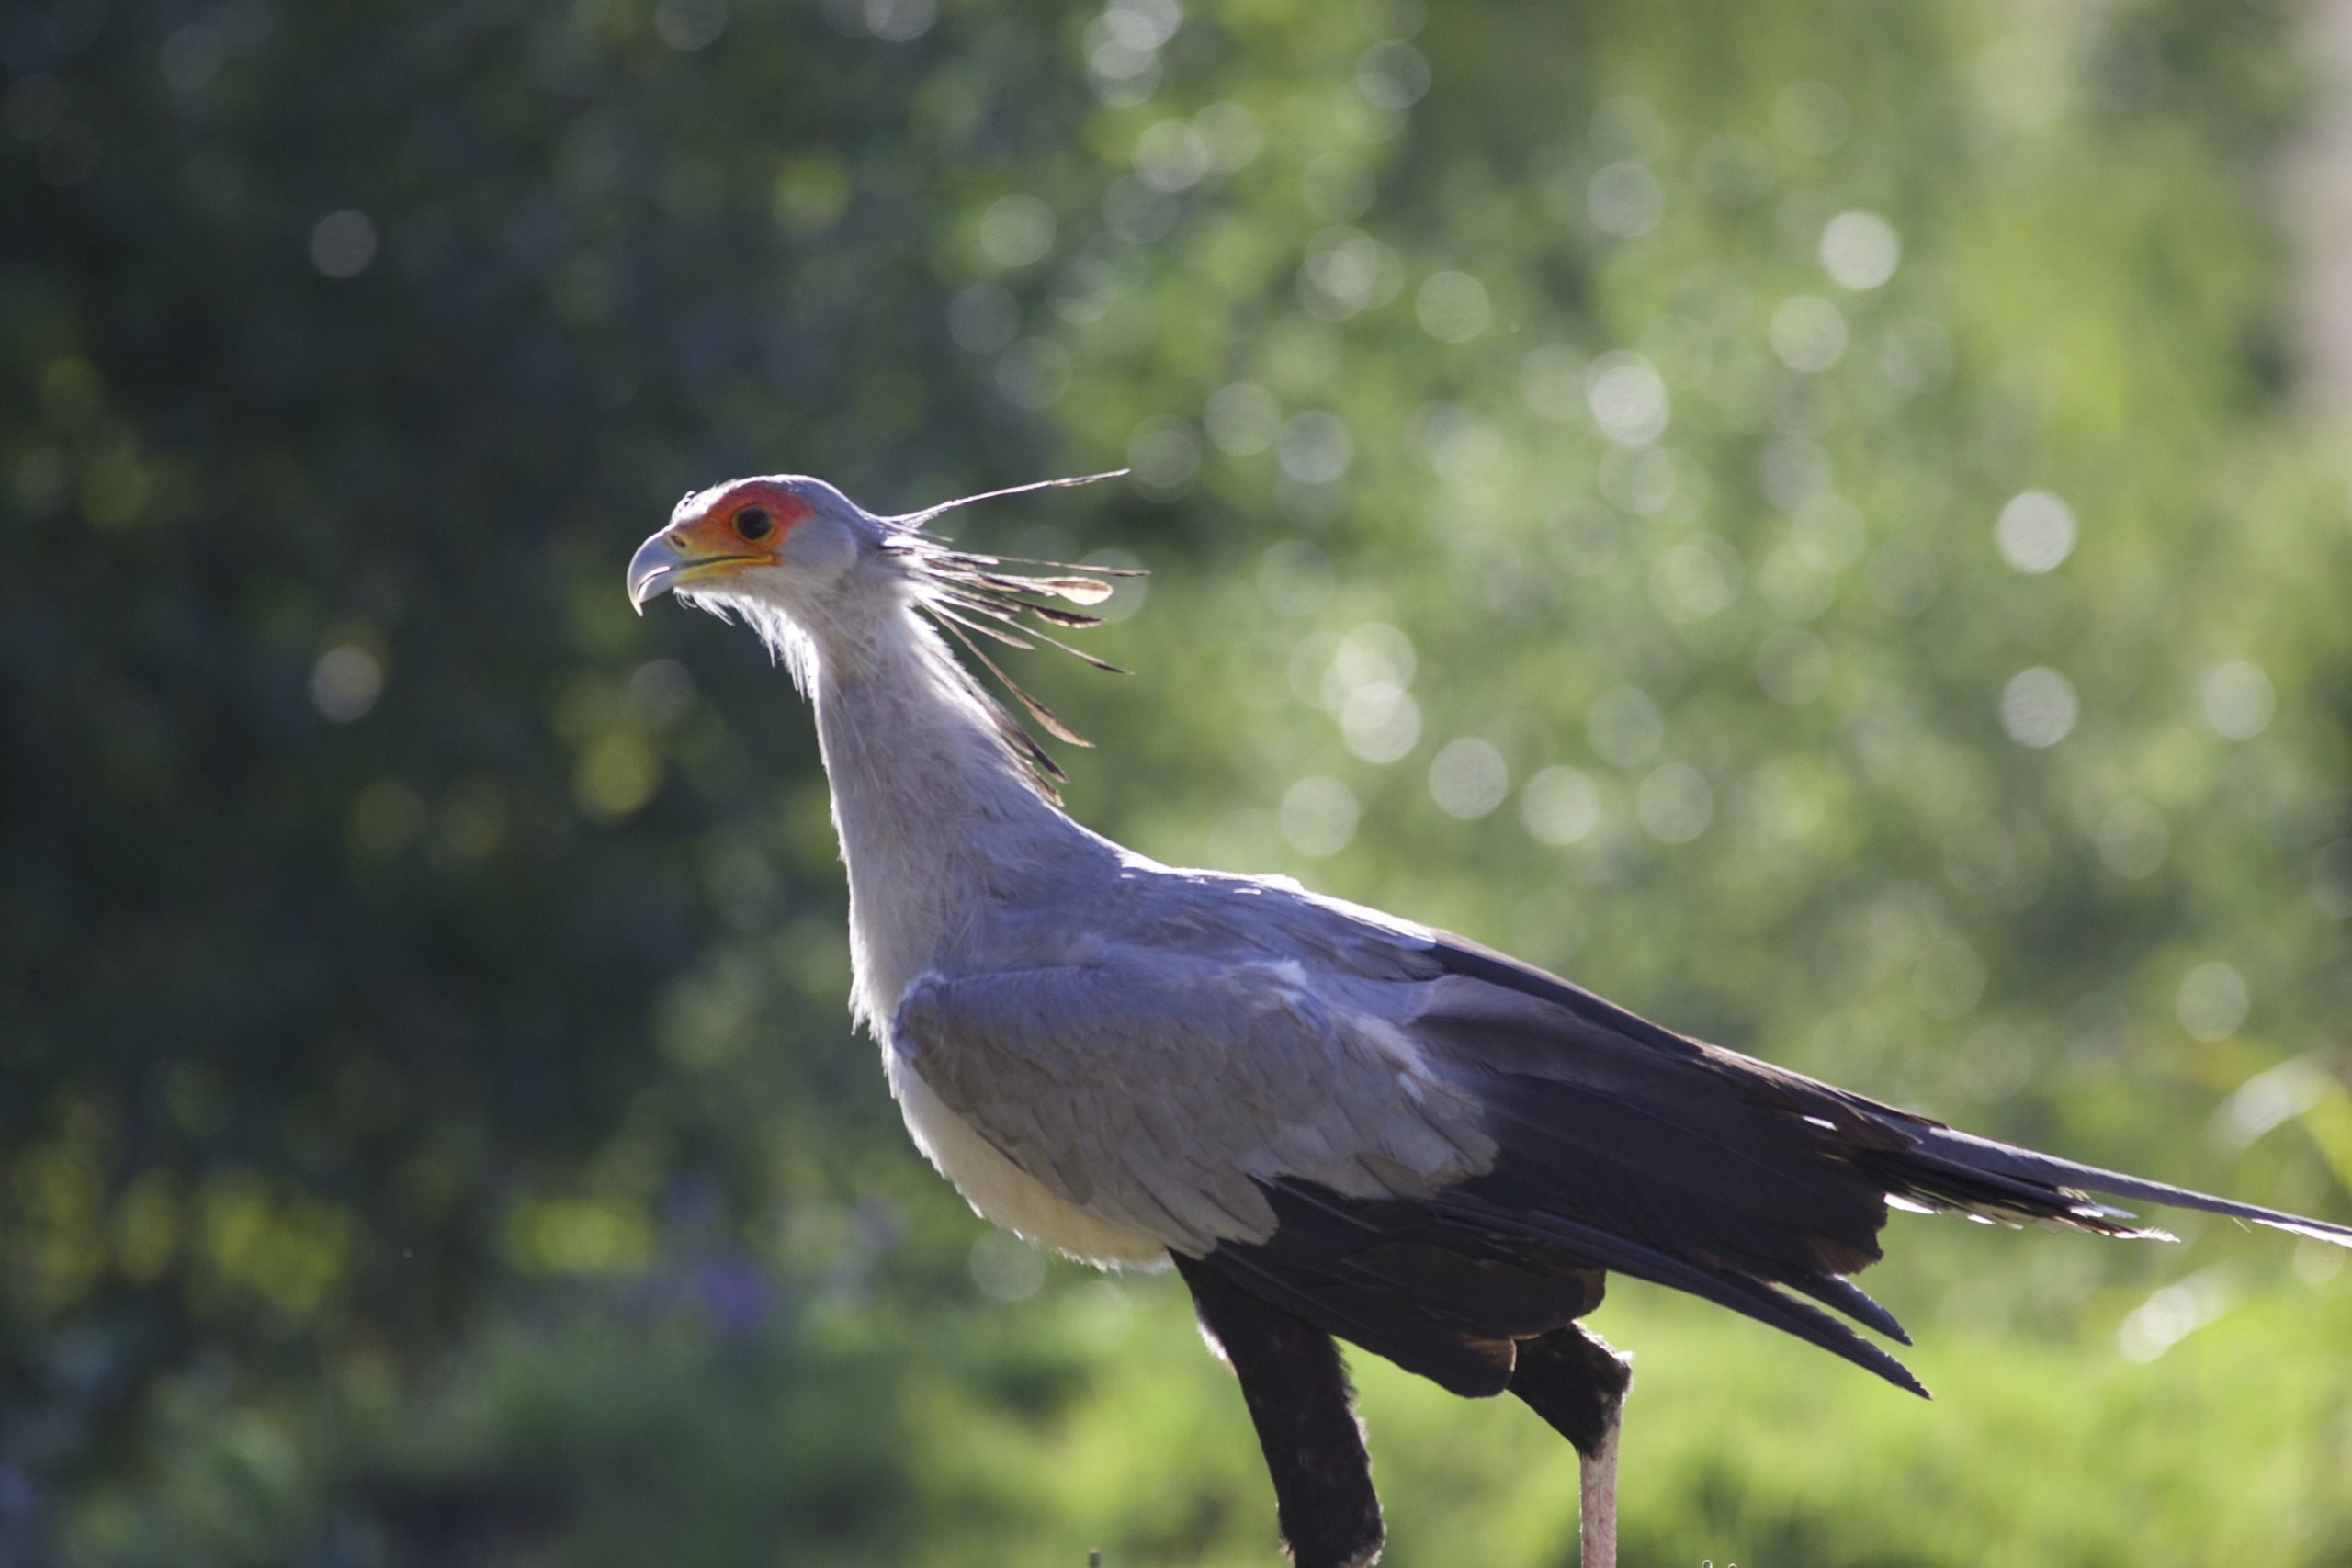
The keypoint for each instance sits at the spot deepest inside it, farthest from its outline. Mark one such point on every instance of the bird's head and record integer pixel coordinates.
(778, 540)
(794, 556)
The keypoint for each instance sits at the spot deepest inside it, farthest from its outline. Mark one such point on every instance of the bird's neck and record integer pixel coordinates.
(938, 821)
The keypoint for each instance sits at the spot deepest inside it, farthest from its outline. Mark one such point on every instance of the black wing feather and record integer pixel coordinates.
(1749, 1296)
(1624, 1147)
(1913, 1156)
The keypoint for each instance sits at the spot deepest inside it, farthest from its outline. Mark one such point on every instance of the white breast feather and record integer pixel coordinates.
(1001, 1192)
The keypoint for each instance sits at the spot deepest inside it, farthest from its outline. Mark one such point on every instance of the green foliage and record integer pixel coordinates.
(1570, 447)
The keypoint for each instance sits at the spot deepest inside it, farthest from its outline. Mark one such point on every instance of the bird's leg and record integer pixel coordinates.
(1299, 1400)
(1597, 1504)
(1576, 1382)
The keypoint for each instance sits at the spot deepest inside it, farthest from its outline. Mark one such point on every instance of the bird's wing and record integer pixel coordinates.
(1536, 1035)
(1681, 1162)
(1163, 1090)
(1433, 1150)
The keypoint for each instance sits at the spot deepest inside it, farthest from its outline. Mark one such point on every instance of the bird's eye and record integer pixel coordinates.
(754, 523)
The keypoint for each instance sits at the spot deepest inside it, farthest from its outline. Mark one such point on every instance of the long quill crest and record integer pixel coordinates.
(964, 592)
(915, 520)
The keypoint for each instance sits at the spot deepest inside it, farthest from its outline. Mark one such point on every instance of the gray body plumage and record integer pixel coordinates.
(1209, 1036)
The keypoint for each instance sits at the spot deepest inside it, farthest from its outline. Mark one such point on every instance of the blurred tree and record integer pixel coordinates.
(1791, 510)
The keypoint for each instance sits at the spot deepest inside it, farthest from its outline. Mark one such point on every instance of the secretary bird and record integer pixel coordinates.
(1333, 1121)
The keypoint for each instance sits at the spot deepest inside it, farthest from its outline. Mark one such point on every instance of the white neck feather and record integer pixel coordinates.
(937, 816)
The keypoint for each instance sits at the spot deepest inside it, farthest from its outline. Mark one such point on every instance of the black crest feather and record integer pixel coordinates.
(968, 594)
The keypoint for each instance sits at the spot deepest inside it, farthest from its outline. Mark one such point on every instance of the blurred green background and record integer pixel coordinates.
(1802, 515)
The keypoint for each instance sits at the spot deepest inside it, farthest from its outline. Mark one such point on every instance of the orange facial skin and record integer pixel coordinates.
(738, 524)
(734, 528)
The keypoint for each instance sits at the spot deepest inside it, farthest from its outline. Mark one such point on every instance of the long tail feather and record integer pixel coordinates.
(1960, 1169)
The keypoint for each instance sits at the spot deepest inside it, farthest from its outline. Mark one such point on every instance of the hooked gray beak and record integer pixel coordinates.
(653, 570)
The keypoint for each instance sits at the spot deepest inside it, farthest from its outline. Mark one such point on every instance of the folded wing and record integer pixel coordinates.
(1438, 1152)
(1695, 1167)
(1162, 1090)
